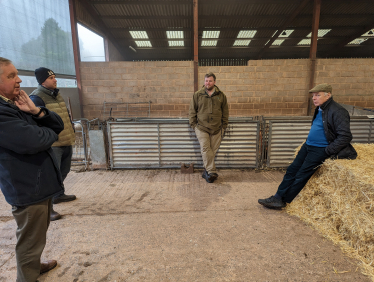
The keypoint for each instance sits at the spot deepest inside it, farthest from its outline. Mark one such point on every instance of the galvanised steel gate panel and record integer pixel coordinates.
(166, 143)
(285, 136)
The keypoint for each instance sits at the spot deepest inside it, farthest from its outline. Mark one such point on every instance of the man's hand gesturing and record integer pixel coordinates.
(24, 103)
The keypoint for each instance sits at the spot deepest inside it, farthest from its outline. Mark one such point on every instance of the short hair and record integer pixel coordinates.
(210, 74)
(4, 62)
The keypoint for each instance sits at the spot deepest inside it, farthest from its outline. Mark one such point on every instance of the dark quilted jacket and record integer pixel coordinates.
(336, 123)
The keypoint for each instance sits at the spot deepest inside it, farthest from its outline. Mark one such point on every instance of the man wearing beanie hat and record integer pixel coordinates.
(47, 95)
(329, 137)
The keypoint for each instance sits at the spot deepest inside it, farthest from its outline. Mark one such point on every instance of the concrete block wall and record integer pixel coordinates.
(352, 80)
(264, 87)
(168, 85)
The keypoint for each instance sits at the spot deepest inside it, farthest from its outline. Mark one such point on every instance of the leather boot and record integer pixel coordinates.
(54, 215)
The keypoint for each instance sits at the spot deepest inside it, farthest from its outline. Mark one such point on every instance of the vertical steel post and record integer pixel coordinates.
(313, 47)
(74, 34)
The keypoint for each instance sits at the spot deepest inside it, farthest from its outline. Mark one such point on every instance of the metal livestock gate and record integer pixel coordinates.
(284, 136)
(166, 143)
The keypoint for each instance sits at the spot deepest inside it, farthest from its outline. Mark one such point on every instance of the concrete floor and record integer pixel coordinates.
(160, 225)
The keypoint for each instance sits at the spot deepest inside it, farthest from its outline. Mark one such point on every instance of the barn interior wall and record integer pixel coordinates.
(264, 87)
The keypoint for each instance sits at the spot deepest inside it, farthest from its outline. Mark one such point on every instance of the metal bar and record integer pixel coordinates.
(313, 48)
(159, 145)
(315, 26)
(74, 35)
(110, 145)
(196, 44)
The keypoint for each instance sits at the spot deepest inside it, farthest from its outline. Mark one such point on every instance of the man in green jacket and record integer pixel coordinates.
(47, 95)
(209, 117)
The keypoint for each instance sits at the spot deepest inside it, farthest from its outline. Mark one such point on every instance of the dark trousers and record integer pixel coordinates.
(63, 155)
(32, 225)
(300, 171)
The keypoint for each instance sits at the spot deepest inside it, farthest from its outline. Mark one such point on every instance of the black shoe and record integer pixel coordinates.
(212, 176)
(63, 198)
(54, 215)
(272, 203)
(205, 175)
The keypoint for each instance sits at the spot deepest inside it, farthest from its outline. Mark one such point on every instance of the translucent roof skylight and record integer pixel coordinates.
(209, 43)
(286, 33)
(211, 33)
(173, 43)
(278, 42)
(241, 42)
(357, 41)
(247, 33)
(174, 34)
(139, 34)
(143, 43)
(305, 42)
(369, 33)
(321, 32)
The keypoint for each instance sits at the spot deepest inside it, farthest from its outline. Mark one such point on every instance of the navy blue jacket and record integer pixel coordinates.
(28, 168)
(336, 124)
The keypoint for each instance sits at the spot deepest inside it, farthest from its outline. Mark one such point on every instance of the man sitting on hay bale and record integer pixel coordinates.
(329, 137)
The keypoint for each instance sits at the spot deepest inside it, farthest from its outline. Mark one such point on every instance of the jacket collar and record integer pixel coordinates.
(5, 103)
(50, 92)
(216, 91)
(326, 104)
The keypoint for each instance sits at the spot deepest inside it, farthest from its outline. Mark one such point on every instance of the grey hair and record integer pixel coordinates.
(4, 62)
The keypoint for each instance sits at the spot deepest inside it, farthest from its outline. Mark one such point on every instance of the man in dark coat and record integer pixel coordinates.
(29, 174)
(329, 137)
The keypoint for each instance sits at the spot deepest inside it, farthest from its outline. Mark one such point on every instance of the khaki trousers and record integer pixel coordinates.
(209, 145)
(32, 225)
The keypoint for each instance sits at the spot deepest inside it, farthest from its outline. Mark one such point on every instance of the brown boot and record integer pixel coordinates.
(54, 215)
(46, 266)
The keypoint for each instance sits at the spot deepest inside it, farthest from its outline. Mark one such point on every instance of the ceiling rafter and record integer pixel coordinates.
(237, 17)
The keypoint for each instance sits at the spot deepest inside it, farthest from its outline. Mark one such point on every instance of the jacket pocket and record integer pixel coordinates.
(38, 178)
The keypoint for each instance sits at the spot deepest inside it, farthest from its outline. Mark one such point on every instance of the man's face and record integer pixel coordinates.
(50, 82)
(320, 97)
(9, 81)
(209, 83)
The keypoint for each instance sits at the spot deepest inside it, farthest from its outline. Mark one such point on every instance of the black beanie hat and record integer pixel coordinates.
(42, 74)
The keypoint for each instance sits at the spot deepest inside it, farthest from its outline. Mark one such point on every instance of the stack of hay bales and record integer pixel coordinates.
(338, 201)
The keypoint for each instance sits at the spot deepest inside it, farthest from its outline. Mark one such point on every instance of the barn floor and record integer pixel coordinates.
(161, 225)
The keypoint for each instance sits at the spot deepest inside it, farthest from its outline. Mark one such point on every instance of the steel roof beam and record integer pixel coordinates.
(249, 17)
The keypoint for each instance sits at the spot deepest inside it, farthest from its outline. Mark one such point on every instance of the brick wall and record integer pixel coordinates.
(264, 87)
(352, 80)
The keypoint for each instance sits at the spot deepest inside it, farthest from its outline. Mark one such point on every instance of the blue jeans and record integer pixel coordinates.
(300, 171)
(63, 155)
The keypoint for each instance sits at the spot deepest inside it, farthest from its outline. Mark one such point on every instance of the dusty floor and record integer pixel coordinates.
(160, 225)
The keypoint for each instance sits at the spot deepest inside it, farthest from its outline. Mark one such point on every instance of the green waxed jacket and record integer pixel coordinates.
(209, 113)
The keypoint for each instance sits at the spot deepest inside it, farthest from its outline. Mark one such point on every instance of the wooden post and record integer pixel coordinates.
(74, 34)
(313, 47)
(195, 45)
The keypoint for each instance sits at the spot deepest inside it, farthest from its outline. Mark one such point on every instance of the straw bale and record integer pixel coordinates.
(338, 201)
